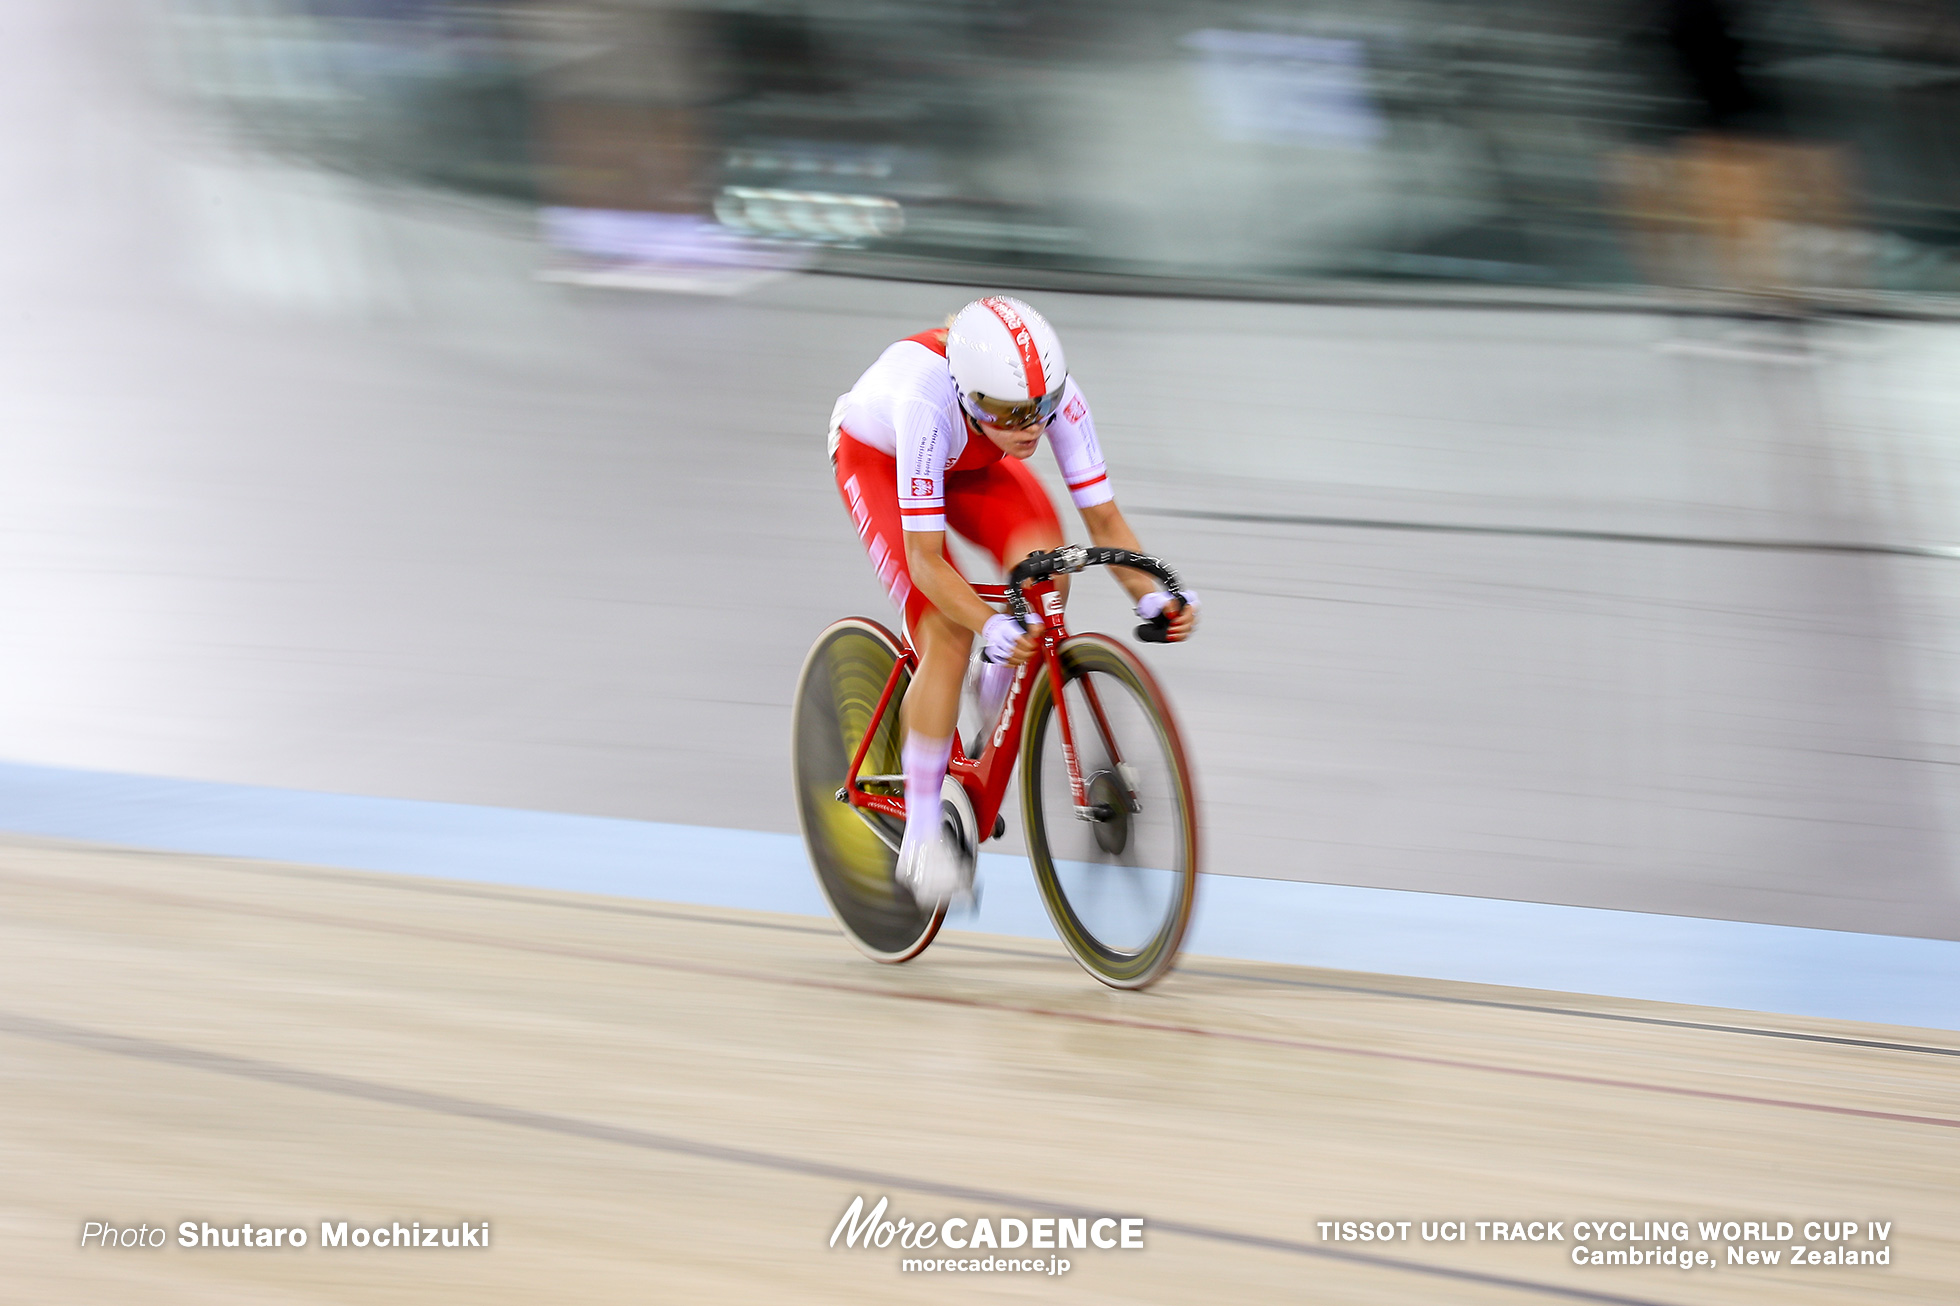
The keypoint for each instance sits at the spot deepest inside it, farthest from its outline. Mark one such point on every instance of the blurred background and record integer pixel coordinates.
(1806, 147)
(1558, 405)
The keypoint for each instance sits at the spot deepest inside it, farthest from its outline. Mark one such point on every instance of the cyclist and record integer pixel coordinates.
(935, 434)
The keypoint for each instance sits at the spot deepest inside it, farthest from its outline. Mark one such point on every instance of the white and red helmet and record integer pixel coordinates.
(1007, 362)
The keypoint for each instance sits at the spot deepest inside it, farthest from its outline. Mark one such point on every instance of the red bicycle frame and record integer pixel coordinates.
(985, 778)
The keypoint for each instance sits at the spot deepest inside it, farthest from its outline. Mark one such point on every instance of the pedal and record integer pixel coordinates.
(1000, 827)
(962, 827)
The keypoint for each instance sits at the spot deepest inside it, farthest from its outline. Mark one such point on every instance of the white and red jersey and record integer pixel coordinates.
(907, 405)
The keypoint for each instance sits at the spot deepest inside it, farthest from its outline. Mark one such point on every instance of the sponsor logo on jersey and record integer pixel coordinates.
(922, 487)
(1075, 411)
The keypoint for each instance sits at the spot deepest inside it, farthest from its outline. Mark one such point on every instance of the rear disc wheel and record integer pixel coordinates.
(851, 848)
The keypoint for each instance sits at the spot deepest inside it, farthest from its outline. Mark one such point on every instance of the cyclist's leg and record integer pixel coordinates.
(1003, 509)
(932, 703)
(930, 713)
(868, 482)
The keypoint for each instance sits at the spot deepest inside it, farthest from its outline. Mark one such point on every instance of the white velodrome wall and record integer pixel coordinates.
(318, 487)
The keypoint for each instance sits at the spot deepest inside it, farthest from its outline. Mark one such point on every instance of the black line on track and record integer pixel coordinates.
(415, 1099)
(454, 889)
(1947, 553)
(706, 916)
(1587, 1015)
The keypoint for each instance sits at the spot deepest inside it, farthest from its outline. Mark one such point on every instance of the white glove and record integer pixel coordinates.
(1000, 635)
(1152, 605)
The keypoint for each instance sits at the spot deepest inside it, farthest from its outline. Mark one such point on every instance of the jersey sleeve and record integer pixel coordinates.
(1072, 435)
(923, 449)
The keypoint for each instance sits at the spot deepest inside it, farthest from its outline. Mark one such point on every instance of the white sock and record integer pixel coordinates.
(925, 761)
(991, 691)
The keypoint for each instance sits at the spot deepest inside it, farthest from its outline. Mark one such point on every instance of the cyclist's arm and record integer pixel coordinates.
(1072, 435)
(934, 576)
(1108, 529)
(925, 558)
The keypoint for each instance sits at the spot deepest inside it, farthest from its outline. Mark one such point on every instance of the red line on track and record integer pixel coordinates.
(983, 1004)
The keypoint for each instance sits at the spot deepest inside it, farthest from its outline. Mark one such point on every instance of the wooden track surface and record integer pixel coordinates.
(655, 1103)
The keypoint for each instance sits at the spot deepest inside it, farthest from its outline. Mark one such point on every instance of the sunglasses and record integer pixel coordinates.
(1015, 414)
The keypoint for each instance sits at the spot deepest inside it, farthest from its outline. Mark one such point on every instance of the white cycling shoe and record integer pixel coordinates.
(936, 872)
